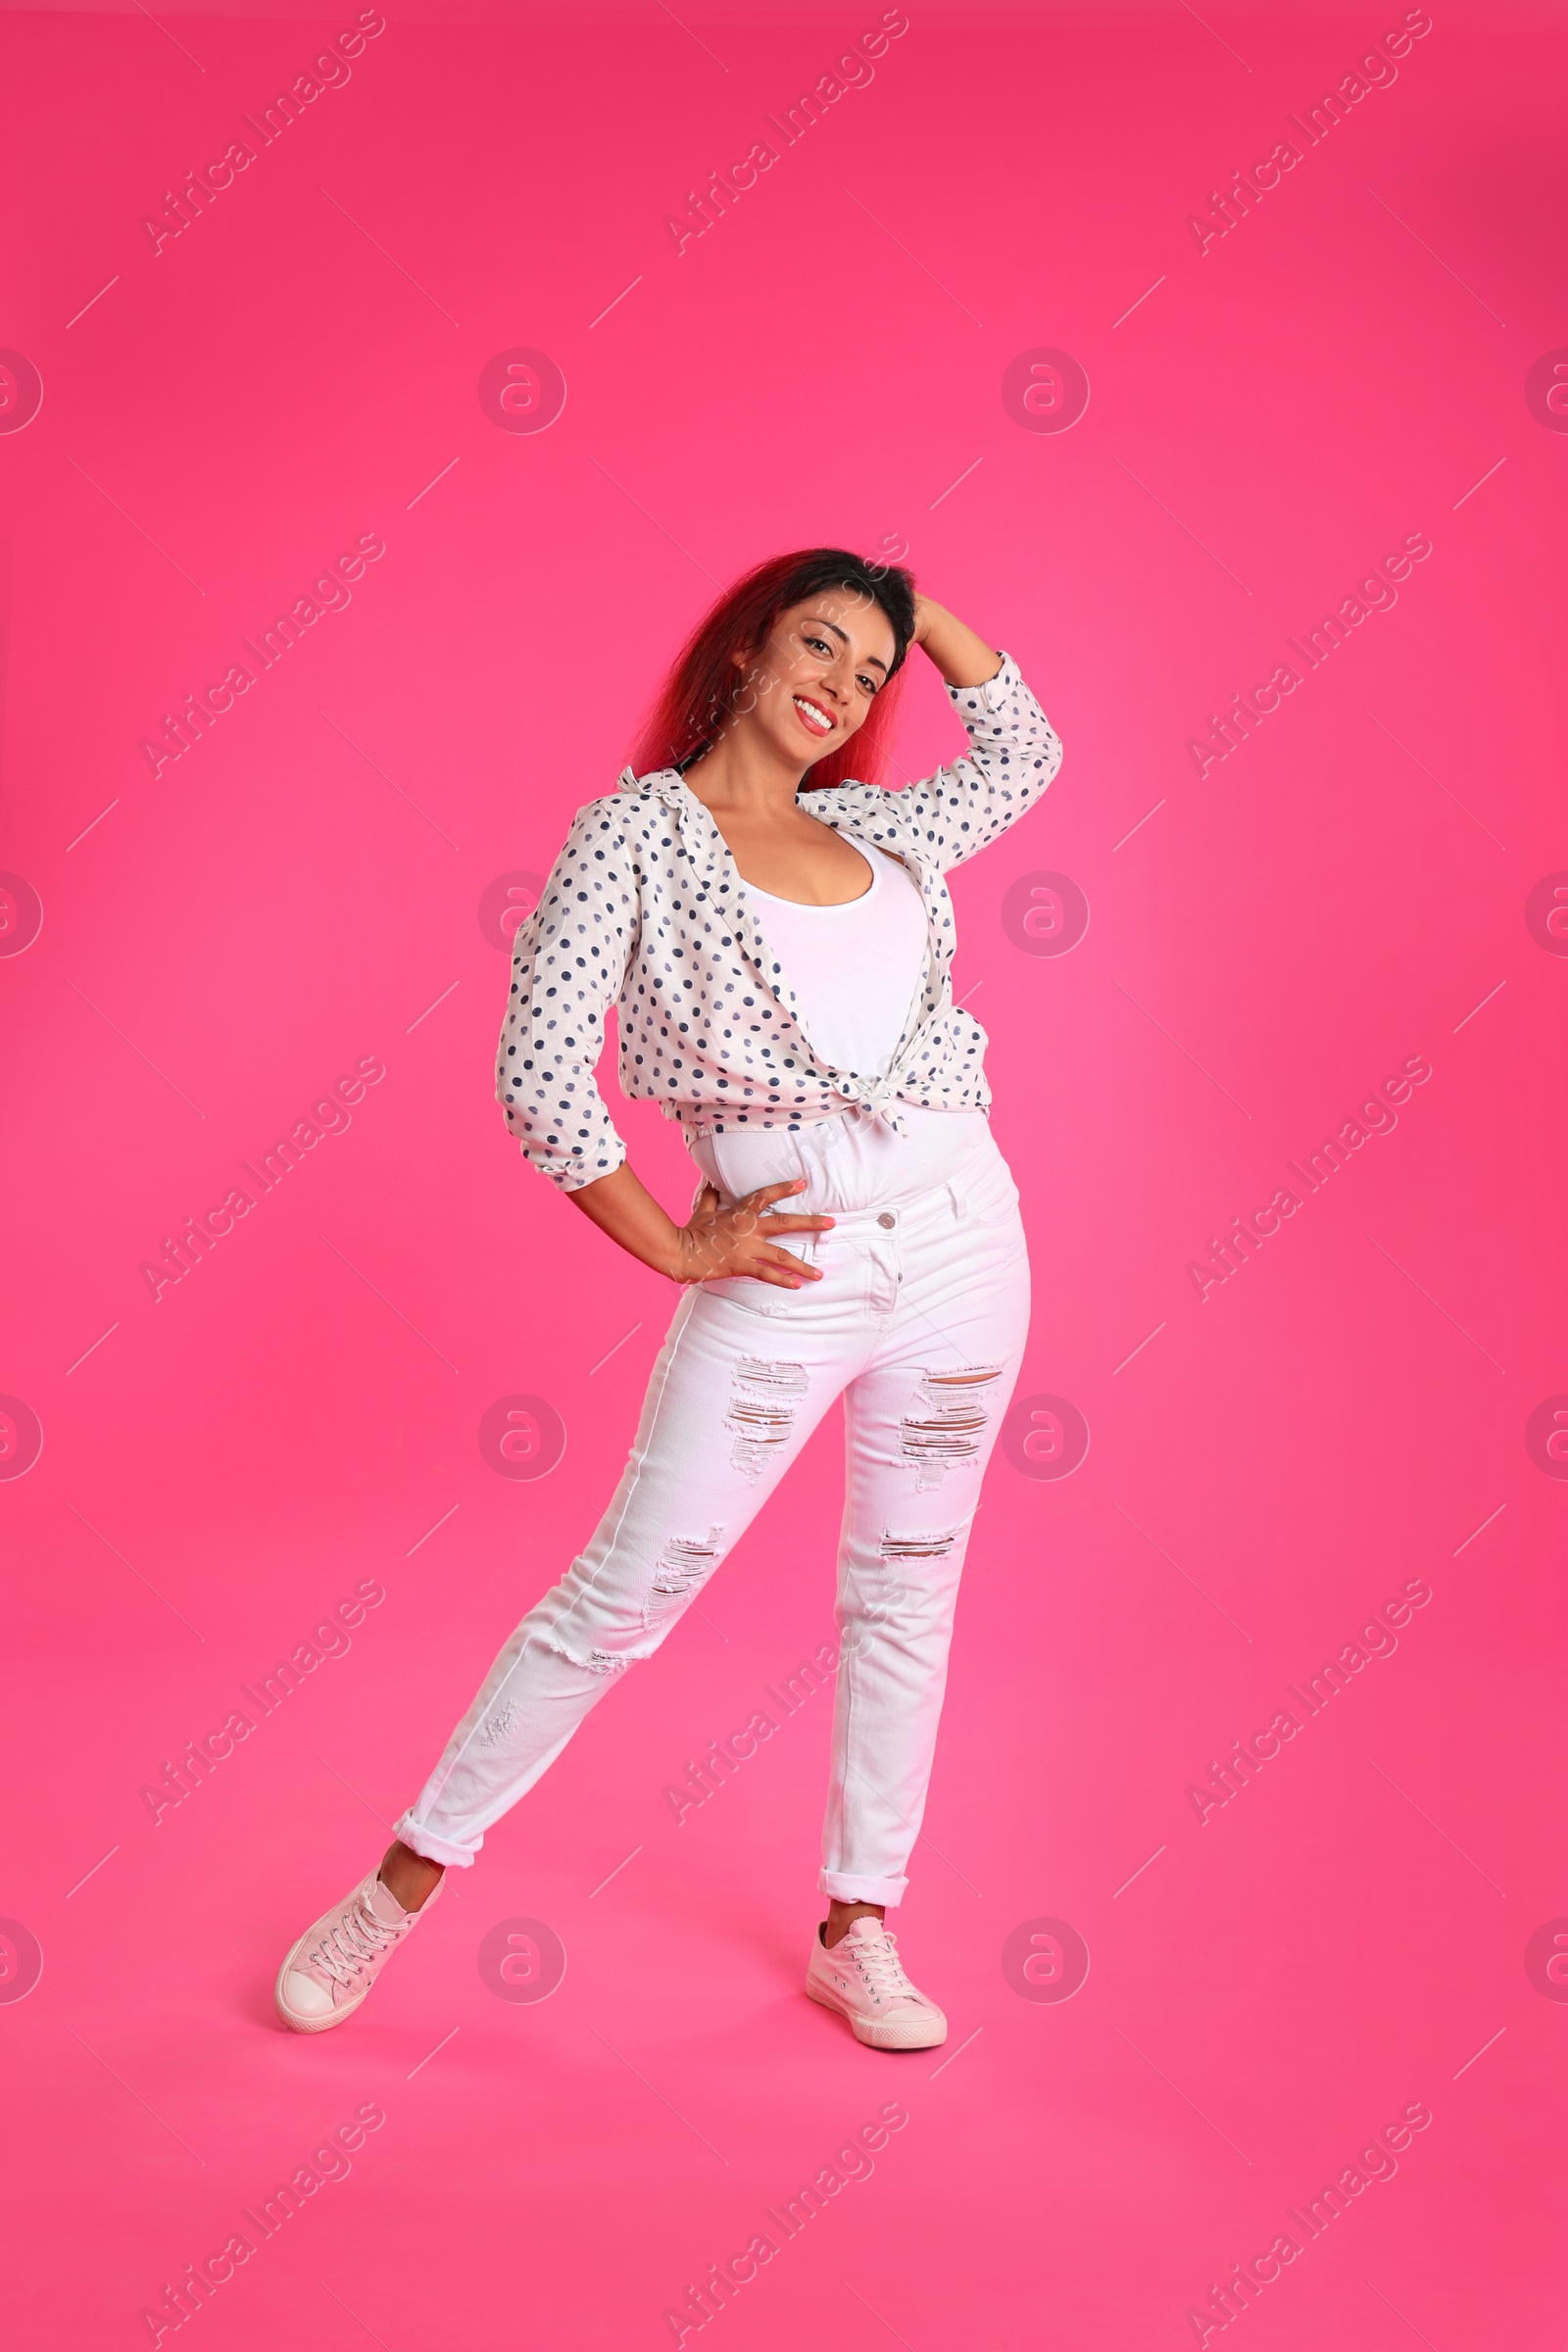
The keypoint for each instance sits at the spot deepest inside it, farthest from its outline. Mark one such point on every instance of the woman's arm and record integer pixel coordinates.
(962, 658)
(714, 1241)
(1014, 752)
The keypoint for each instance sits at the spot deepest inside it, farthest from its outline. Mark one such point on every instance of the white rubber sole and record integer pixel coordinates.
(290, 2017)
(888, 2033)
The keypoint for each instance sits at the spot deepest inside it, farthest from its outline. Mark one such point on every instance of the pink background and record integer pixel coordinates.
(1268, 417)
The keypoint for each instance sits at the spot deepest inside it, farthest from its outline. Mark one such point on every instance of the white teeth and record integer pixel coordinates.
(812, 715)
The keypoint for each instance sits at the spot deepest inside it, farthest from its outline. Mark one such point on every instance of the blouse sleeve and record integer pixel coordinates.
(569, 962)
(1014, 754)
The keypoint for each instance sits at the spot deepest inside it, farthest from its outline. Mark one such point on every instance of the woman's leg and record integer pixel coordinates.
(733, 1397)
(921, 1420)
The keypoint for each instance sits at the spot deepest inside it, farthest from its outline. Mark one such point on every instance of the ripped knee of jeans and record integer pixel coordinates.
(922, 1544)
(763, 1402)
(948, 1421)
(603, 1662)
(682, 1568)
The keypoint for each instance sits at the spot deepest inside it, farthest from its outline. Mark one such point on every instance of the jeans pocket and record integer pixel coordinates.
(761, 1298)
(993, 1200)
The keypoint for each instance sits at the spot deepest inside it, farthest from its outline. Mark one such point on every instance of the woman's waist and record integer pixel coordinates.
(851, 1163)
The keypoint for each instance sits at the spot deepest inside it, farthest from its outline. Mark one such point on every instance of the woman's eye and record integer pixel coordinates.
(869, 683)
(817, 643)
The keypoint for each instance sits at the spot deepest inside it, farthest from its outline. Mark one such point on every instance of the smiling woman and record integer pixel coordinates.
(775, 928)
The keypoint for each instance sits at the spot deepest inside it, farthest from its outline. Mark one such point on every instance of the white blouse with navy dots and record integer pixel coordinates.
(644, 910)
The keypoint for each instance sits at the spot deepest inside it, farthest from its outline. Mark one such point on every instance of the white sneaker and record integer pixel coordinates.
(862, 1978)
(328, 1972)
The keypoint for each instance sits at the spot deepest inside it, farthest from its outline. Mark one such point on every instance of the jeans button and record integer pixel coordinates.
(887, 1217)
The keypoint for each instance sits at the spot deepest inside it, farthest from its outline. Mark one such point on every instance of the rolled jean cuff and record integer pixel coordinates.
(435, 1849)
(844, 1886)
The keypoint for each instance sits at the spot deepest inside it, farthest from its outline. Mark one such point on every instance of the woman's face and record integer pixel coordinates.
(812, 683)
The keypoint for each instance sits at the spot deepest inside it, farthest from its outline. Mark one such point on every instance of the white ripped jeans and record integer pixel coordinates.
(919, 1324)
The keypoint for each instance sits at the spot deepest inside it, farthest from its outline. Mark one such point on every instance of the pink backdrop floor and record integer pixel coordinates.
(1200, 960)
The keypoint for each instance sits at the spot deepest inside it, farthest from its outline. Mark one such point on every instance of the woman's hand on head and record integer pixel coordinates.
(716, 1241)
(962, 658)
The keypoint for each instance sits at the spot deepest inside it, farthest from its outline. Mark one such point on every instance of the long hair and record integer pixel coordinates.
(705, 685)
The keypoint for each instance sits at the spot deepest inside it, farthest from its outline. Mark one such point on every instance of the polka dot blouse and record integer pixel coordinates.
(644, 910)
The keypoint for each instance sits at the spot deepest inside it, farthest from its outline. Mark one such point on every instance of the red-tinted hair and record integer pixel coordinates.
(703, 687)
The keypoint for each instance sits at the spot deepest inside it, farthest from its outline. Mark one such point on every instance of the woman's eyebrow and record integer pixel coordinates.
(840, 633)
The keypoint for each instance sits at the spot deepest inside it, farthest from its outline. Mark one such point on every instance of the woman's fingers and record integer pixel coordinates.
(767, 1193)
(777, 1222)
(789, 1266)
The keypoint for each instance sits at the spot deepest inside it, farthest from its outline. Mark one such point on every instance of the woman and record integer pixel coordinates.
(777, 938)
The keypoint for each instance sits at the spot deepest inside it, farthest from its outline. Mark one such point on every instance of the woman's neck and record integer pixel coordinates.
(744, 771)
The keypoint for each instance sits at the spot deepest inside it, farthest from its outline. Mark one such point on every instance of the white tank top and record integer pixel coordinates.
(854, 970)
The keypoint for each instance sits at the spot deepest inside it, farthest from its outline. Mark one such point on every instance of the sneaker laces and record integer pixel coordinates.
(882, 1969)
(355, 1938)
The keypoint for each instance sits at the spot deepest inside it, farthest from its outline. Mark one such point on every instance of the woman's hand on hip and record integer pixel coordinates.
(717, 1241)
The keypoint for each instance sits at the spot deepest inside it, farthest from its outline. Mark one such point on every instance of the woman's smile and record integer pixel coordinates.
(816, 718)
